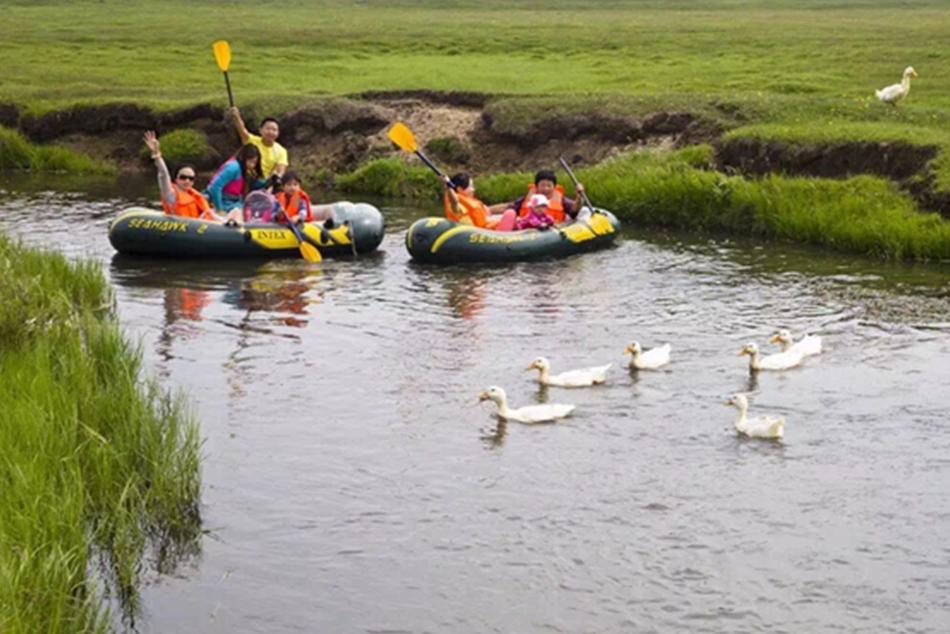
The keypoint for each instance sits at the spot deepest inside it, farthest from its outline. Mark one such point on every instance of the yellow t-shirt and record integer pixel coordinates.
(270, 156)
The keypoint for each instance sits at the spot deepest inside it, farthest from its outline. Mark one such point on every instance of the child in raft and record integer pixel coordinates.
(462, 206)
(293, 200)
(537, 216)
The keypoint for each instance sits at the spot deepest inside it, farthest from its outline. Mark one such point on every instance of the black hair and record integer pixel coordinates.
(545, 175)
(246, 152)
(289, 176)
(462, 180)
(183, 166)
(266, 119)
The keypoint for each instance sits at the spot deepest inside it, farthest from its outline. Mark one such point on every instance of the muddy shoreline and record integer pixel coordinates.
(337, 135)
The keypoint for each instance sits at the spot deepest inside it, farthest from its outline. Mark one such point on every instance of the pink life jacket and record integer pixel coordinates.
(234, 189)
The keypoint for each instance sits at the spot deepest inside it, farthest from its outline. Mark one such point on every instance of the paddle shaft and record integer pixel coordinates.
(431, 165)
(227, 82)
(574, 178)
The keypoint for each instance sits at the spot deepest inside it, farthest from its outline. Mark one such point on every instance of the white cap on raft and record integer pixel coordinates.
(538, 200)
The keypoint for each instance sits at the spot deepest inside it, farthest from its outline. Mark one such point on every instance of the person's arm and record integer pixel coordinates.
(227, 174)
(303, 211)
(161, 170)
(239, 124)
(573, 205)
(282, 162)
(453, 199)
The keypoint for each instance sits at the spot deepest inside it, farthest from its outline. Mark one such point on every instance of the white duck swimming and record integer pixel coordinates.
(778, 361)
(573, 378)
(895, 92)
(650, 359)
(807, 345)
(529, 414)
(758, 427)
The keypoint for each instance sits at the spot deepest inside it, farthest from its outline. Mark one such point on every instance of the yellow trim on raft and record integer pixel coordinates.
(448, 234)
(283, 238)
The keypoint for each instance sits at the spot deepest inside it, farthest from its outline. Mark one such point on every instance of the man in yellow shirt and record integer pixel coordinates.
(273, 154)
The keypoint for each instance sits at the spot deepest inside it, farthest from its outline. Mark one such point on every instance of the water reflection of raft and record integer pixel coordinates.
(140, 231)
(442, 241)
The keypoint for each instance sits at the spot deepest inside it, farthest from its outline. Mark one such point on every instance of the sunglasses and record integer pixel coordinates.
(186, 177)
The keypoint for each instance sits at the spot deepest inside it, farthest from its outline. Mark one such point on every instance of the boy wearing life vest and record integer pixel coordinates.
(274, 158)
(461, 206)
(179, 197)
(560, 207)
(293, 200)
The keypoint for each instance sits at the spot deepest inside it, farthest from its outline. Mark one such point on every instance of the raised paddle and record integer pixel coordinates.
(401, 135)
(574, 178)
(222, 55)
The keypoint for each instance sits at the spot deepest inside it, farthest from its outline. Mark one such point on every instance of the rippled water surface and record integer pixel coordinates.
(353, 484)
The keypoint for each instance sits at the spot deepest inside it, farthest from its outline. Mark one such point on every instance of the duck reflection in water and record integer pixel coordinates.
(496, 439)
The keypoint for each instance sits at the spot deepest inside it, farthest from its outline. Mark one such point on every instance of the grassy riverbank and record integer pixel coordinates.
(681, 190)
(97, 467)
(17, 153)
(798, 70)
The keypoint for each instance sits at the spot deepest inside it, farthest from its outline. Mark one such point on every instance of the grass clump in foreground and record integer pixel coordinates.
(680, 190)
(16, 152)
(96, 466)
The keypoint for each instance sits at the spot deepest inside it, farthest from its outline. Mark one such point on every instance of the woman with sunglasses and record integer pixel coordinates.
(179, 197)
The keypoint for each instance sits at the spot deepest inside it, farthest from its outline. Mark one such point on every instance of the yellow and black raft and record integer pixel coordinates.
(356, 228)
(442, 241)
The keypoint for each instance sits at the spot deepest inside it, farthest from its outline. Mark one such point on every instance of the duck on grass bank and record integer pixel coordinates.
(778, 361)
(647, 359)
(530, 414)
(768, 427)
(572, 378)
(894, 93)
(807, 345)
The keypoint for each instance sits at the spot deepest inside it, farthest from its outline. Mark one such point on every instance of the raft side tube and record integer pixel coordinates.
(358, 228)
(442, 241)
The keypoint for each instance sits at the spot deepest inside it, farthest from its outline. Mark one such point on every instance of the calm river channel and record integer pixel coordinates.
(353, 484)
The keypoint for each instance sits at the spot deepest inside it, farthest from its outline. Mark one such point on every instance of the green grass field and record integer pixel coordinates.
(807, 65)
(55, 53)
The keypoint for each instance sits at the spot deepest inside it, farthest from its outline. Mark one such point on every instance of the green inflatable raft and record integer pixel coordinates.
(442, 241)
(357, 228)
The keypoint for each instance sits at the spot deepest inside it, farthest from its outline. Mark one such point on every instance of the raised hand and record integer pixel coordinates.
(151, 142)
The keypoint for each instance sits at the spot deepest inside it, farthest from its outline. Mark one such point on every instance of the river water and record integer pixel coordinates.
(353, 484)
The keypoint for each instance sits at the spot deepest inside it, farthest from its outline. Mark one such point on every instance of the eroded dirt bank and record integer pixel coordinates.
(461, 132)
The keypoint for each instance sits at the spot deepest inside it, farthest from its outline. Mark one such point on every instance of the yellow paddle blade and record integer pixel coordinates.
(222, 54)
(402, 136)
(310, 253)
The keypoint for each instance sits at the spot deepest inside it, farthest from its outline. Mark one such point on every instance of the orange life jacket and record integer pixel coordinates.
(292, 206)
(189, 203)
(555, 203)
(474, 211)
